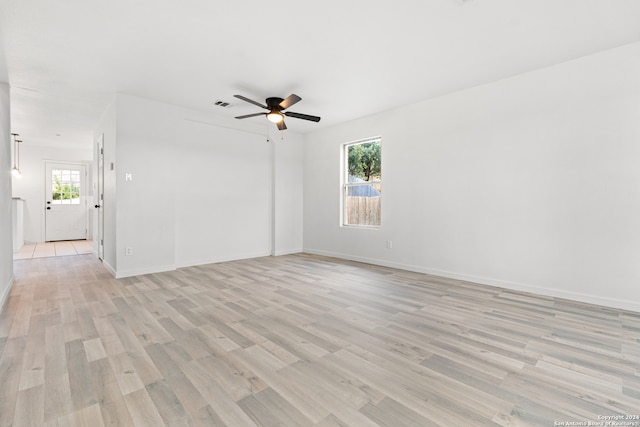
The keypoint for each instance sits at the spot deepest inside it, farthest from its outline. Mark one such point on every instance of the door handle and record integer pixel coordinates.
(48, 202)
(48, 207)
(96, 206)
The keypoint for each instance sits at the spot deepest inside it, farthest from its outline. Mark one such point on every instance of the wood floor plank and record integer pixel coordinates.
(22, 315)
(126, 335)
(112, 406)
(432, 398)
(88, 417)
(269, 408)
(266, 367)
(330, 400)
(226, 407)
(234, 377)
(32, 370)
(10, 369)
(145, 368)
(168, 405)
(188, 340)
(57, 398)
(331, 421)
(29, 407)
(188, 395)
(126, 374)
(220, 338)
(80, 378)
(327, 381)
(94, 349)
(303, 340)
(33, 361)
(143, 411)
(390, 413)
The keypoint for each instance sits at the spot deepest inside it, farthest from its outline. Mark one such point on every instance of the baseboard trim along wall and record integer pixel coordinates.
(109, 268)
(574, 296)
(214, 260)
(287, 252)
(120, 274)
(5, 297)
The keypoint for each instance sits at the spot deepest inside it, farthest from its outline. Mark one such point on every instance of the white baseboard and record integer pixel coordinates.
(109, 268)
(147, 270)
(287, 252)
(574, 296)
(5, 295)
(119, 274)
(214, 260)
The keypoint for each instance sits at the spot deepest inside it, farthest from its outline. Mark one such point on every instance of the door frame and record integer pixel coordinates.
(98, 198)
(88, 185)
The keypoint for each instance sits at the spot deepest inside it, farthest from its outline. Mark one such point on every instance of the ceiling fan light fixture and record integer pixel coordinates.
(275, 117)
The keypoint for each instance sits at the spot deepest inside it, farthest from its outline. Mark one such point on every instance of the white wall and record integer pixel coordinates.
(287, 190)
(6, 235)
(203, 188)
(31, 186)
(529, 183)
(145, 219)
(222, 194)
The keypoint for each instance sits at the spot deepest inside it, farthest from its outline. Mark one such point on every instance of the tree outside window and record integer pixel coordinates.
(362, 183)
(65, 187)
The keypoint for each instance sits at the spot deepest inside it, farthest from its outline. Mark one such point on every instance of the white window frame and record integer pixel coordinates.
(345, 184)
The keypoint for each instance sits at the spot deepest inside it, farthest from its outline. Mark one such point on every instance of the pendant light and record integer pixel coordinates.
(16, 157)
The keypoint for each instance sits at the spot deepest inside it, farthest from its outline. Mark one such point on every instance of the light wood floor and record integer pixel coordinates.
(303, 340)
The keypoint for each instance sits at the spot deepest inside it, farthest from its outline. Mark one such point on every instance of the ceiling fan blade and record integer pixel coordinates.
(281, 125)
(301, 116)
(289, 101)
(250, 115)
(251, 101)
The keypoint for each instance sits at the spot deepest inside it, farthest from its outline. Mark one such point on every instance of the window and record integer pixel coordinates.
(65, 187)
(362, 183)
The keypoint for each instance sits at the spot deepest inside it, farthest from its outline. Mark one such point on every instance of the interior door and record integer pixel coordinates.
(66, 202)
(99, 205)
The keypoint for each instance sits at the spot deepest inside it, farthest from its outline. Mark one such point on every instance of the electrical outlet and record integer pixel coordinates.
(128, 251)
(389, 244)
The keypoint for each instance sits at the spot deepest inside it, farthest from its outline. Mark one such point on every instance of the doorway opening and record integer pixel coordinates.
(66, 197)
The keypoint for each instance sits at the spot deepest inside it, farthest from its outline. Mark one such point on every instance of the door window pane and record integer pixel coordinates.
(65, 187)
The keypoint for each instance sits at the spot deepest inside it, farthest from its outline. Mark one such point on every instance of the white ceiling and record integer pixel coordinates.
(64, 60)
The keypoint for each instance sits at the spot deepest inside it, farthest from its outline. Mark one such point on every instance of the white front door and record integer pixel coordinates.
(65, 202)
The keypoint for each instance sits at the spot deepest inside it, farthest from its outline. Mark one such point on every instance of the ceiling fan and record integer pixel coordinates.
(276, 107)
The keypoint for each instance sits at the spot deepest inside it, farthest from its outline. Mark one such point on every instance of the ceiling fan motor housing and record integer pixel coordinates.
(274, 103)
